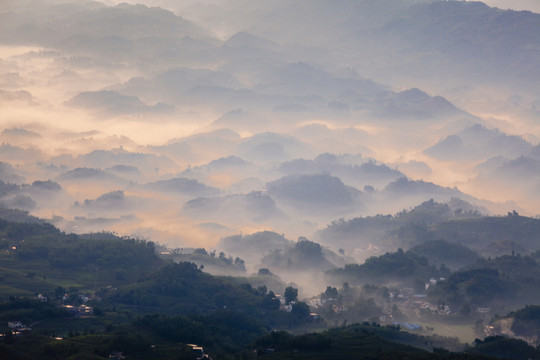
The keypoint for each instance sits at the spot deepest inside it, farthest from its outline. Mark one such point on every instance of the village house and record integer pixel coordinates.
(82, 310)
(15, 325)
(117, 355)
(17, 328)
(198, 351)
(286, 308)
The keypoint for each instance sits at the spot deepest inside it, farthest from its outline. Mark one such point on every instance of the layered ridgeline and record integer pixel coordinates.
(455, 222)
(191, 123)
(289, 123)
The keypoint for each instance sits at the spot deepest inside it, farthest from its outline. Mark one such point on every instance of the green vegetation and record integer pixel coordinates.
(304, 255)
(400, 265)
(210, 262)
(502, 283)
(502, 347)
(440, 252)
(456, 223)
(358, 341)
(183, 289)
(149, 308)
(39, 258)
(469, 288)
(526, 321)
(492, 236)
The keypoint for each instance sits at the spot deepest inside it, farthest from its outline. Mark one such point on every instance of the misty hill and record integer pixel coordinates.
(184, 186)
(242, 46)
(467, 29)
(535, 152)
(519, 176)
(129, 172)
(524, 322)
(392, 231)
(244, 39)
(345, 140)
(478, 142)
(8, 174)
(22, 196)
(365, 341)
(246, 185)
(223, 99)
(503, 347)
(97, 29)
(504, 282)
(414, 104)
(184, 289)
(481, 287)
(22, 97)
(403, 192)
(88, 174)
(404, 187)
(270, 147)
(112, 103)
(254, 246)
(368, 173)
(240, 119)
(103, 259)
(348, 342)
(8, 189)
(171, 85)
(491, 235)
(47, 185)
(230, 164)
(11, 153)
(504, 169)
(319, 193)
(523, 269)
(44, 192)
(255, 206)
(18, 136)
(107, 201)
(301, 79)
(195, 148)
(439, 252)
(401, 266)
(486, 235)
(305, 255)
(19, 201)
(209, 262)
(427, 40)
(64, 257)
(148, 163)
(18, 216)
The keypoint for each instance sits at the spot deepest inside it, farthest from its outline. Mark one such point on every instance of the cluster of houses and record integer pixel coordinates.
(317, 303)
(199, 353)
(420, 303)
(17, 328)
(84, 298)
(79, 311)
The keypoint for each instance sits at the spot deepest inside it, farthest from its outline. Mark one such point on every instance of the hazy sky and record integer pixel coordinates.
(532, 5)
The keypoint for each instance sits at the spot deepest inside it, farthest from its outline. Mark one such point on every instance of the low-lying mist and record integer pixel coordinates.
(187, 131)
